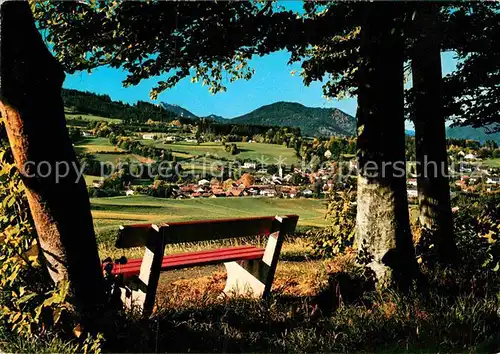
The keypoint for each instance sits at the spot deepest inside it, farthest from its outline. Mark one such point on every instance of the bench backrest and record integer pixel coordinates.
(203, 230)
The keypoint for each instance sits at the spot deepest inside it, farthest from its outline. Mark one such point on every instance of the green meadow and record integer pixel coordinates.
(109, 213)
(104, 151)
(492, 162)
(95, 145)
(269, 153)
(90, 118)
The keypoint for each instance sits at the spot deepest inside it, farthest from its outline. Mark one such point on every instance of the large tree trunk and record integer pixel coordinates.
(30, 101)
(383, 228)
(430, 135)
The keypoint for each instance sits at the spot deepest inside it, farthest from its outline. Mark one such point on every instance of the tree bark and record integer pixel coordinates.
(435, 215)
(383, 228)
(31, 104)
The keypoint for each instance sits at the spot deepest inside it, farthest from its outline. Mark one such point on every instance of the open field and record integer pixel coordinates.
(255, 151)
(109, 213)
(93, 145)
(114, 158)
(492, 162)
(104, 151)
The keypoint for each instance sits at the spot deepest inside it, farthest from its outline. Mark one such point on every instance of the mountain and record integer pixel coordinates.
(178, 110)
(311, 121)
(218, 119)
(471, 133)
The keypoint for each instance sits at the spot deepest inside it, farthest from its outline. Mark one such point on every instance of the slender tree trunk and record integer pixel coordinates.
(430, 133)
(383, 228)
(31, 104)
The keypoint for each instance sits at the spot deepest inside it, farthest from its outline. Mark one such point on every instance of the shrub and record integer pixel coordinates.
(339, 234)
(29, 301)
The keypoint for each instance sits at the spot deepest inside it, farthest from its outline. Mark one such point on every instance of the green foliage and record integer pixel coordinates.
(339, 232)
(471, 92)
(315, 151)
(477, 227)
(325, 38)
(120, 39)
(136, 147)
(232, 149)
(29, 301)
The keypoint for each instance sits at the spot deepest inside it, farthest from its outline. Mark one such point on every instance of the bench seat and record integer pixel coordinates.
(193, 259)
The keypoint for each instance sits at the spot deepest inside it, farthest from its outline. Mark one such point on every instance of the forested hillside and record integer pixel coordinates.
(102, 105)
(471, 133)
(311, 121)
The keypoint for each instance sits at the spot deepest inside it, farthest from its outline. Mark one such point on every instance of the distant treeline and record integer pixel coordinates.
(208, 126)
(102, 105)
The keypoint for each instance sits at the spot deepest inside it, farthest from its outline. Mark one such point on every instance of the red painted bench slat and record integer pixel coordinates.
(183, 255)
(193, 259)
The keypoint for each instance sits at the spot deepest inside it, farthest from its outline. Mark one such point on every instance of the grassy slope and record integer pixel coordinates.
(492, 162)
(92, 145)
(104, 151)
(255, 151)
(89, 117)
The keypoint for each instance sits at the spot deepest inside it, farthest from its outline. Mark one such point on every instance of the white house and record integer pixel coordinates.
(268, 192)
(412, 182)
(307, 192)
(328, 154)
(250, 165)
(87, 134)
(170, 139)
(276, 179)
(203, 182)
(148, 136)
(493, 180)
(129, 192)
(412, 193)
(253, 191)
(470, 157)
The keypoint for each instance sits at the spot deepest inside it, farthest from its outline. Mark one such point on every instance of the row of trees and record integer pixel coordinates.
(244, 132)
(324, 149)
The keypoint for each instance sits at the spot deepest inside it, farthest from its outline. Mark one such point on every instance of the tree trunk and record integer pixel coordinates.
(31, 104)
(435, 215)
(383, 228)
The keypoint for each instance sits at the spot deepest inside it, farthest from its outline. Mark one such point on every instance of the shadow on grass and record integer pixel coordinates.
(346, 315)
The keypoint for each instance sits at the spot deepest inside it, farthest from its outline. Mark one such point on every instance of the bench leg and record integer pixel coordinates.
(143, 297)
(243, 278)
(256, 277)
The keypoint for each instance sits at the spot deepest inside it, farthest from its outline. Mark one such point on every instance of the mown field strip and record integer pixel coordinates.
(109, 213)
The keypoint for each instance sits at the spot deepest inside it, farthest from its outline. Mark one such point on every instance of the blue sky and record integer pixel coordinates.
(272, 82)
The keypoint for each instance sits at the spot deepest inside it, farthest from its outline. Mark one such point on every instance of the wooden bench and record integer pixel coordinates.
(250, 270)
